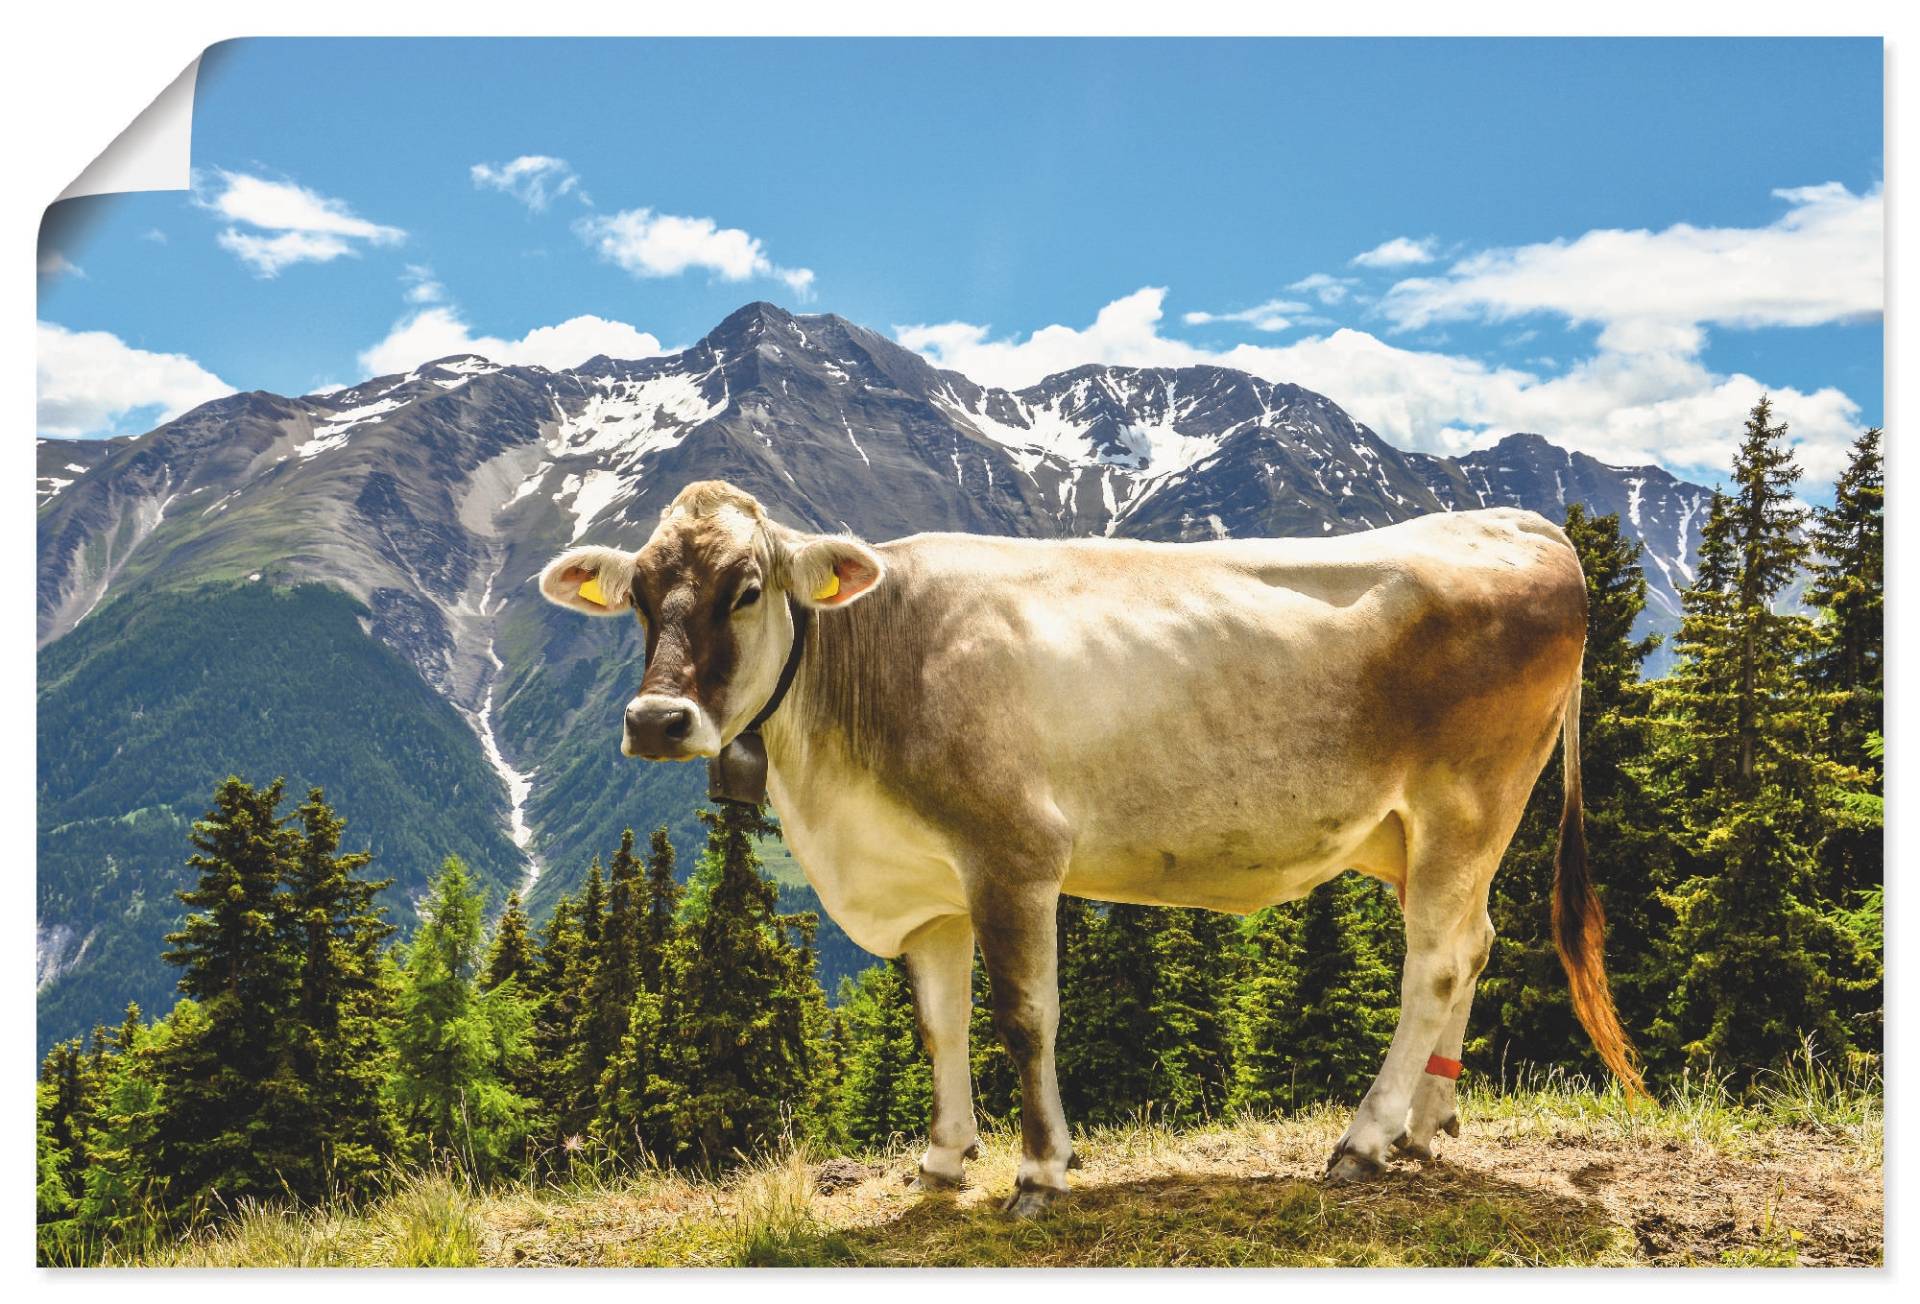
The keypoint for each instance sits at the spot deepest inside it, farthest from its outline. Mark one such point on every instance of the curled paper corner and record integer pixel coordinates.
(155, 152)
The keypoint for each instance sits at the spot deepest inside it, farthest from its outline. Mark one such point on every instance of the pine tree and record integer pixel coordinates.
(886, 1085)
(510, 956)
(1345, 1000)
(1106, 1015)
(65, 1108)
(123, 1203)
(1195, 963)
(1754, 963)
(557, 989)
(1846, 670)
(739, 1049)
(325, 1130)
(53, 1176)
(1849, 589)
(457, 1046)
(660, 909)
(612, 980)
(1262, 1006)
(243, 976)
(593, 911)
(1526, 1016)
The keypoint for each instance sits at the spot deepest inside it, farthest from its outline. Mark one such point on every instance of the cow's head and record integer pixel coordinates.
(710, 590)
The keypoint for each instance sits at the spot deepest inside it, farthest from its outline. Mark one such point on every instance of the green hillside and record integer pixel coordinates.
(158, 696)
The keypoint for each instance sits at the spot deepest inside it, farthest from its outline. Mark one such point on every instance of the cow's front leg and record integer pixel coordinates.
(1016, 927)
(939, 959)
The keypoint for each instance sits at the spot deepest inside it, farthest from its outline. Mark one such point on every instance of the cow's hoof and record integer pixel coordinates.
(1345, 1165)
(971, 1152)
(929, 1181)
(1407, 1146)
(1074, 1160)
(1030, 1201)
(1452, 1126)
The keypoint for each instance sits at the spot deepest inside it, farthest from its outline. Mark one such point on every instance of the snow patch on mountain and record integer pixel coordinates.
(636, 417)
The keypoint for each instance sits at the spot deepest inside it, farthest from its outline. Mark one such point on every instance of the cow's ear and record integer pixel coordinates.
(598, 581)
(832, 570)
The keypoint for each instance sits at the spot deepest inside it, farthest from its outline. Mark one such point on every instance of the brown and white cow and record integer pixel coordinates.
(975, 725)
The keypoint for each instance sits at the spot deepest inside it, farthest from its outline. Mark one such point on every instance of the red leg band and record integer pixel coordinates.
(1442, 1067)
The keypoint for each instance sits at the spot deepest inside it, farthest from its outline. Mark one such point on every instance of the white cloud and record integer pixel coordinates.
(652, 244)
(1822, 261)
(438, 331)
(53, 264)
(309, 227)
(267, 254)
(1273, 315)
(536, 180)
(1397, 252)
(1620, 407)
(421, 285)
(90, 379)
(1327, 289)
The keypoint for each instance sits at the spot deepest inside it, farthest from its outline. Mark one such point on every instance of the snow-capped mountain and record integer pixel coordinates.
(432, 499)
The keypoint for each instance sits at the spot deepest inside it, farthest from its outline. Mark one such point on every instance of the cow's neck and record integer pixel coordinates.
(844, 704)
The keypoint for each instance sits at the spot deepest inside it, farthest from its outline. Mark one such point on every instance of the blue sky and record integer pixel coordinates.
(1617, 243)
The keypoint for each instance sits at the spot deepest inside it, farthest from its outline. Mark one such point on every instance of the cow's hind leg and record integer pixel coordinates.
(1017, 926)
(1446, 947)
(939, 959)
(1434, 1097)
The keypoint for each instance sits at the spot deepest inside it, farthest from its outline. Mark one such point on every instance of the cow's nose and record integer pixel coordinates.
(657, 726)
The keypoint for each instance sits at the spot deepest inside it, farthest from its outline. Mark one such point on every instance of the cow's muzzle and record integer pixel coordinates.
(661, 728)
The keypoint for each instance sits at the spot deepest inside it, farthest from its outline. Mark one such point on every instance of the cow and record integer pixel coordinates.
(956, 729)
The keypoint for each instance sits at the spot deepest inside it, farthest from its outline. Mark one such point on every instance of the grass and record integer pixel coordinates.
(1545, 1173)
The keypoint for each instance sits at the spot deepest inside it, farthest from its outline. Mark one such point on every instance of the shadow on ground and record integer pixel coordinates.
(1436, 1217)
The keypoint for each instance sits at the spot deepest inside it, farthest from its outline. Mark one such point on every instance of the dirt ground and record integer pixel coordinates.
(1507, 1192)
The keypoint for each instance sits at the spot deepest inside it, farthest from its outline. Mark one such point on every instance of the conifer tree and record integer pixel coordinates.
(325, 1130)
(886, 1085)
(64, 1109)
(1846, 671)
(1525, 1016)
(612, 980)
(660, 909)
(556, 992)
(738, 1047)
(53, 1175)
(1332, 1028)
(1262, 1006)
(457, 1046)
(239, 968)
(1754, 963)
(1849, 589)
(510, 956)
(122, 1203)
(1195, 965)
(593, 911)
(1106, 1015)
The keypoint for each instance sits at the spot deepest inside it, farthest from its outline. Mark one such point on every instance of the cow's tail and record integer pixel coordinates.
(1579, 923)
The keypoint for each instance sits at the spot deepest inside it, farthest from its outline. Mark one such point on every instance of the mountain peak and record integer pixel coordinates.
(747, 320)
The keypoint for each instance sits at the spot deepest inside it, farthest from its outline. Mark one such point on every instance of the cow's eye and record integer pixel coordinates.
(748, 596)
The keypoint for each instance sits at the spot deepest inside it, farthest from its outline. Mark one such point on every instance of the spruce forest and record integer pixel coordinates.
(672, 1019)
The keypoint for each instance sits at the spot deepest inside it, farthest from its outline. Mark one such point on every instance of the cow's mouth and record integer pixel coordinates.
(663, 728)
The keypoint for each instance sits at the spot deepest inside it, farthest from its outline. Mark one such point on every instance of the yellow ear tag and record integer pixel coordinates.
(590, 590)
(829, 589)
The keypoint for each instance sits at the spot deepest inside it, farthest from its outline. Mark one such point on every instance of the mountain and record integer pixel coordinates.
(377, 545)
